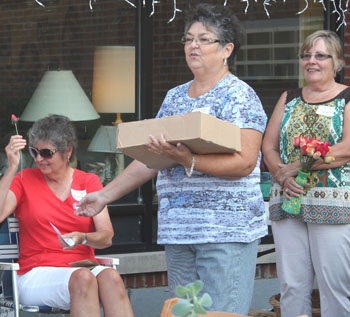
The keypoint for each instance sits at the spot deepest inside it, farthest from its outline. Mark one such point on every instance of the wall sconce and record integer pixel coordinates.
(113, 88)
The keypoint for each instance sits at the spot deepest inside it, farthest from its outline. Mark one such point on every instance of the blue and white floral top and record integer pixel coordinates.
(204, 208)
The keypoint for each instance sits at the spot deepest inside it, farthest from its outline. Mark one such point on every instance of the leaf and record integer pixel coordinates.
(182, 308)
(198, 309)
(197, 286)
(206, 300)
(181, 291)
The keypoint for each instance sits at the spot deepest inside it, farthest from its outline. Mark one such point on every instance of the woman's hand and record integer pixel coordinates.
(16, 144)
(91, 204)
(178, 153)
(291, 188)
(285, 171)
(77, 237)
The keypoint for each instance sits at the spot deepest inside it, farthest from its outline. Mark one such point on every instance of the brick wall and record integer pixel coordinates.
(62, 35)
(154, 279)
(347, 52)
(158, 279)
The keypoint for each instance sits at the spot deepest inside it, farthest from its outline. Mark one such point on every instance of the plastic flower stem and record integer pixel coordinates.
(20, 153)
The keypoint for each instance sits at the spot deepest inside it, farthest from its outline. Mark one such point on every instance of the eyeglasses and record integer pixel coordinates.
(44, 153)
(200, 41)
(318, 56)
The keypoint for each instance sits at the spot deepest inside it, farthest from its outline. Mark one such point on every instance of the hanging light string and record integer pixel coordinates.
(265, 4)
(90, 4)
(39, 3)
(152, 9)
(338, 8)
(175, 10)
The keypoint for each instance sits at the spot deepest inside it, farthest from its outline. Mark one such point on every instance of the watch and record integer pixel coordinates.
(84, 241)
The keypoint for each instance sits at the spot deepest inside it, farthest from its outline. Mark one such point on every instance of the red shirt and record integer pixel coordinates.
(37, 206)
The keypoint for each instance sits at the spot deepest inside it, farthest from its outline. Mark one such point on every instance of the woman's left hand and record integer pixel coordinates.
(178, 153)
(291, 188)
(77, 237)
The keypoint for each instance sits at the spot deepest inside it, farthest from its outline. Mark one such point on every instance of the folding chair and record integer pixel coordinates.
(9, 251)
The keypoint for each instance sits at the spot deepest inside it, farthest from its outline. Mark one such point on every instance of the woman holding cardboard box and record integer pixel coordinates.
(211, 212)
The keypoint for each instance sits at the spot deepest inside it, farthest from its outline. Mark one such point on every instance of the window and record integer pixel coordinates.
(65, 34)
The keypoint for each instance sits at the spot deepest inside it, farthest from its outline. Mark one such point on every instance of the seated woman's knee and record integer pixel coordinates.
(110, 277)
(82, 280)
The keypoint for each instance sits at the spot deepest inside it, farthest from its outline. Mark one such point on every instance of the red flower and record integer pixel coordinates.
(303, 150)
(303, 140)
(297, 141)
(311, 150)
(14, 119)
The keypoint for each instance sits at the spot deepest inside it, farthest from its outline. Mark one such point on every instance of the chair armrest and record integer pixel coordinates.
(9, 266)
(107, 261)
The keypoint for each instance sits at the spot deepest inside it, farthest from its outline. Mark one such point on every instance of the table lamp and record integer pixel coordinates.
(60, 93)
(104, 141)
(113, 88)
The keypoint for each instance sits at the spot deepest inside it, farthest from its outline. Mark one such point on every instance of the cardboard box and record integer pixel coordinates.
(202, 133)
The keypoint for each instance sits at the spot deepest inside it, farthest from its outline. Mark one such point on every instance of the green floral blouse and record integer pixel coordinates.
(327, 199)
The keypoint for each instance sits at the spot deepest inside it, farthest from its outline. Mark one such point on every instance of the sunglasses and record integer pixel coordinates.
(44, 153)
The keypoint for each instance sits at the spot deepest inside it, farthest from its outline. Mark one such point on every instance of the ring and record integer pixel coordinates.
(287, 191)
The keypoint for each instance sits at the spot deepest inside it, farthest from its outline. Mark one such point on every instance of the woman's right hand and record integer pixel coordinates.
(16, 144)
(291, 188)
(90, 205)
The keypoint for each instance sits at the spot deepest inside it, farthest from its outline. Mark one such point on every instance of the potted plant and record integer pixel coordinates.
(192, 305)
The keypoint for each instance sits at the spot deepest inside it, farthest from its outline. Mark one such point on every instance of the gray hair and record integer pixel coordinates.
(222, 22)
(56, 129)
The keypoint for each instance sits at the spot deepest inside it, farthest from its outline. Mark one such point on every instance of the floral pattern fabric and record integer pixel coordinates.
(203, 208)
(327, 199)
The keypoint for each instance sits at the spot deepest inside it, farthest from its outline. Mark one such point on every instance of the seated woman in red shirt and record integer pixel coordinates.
(47, 195)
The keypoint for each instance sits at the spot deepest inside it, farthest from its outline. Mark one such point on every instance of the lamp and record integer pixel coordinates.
(104, 141)
(113, 88)
(60, 93)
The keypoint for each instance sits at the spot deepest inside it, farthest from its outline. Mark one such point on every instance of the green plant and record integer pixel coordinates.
(192, 304)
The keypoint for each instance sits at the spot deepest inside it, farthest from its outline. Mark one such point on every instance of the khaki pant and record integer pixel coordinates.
(304, 250)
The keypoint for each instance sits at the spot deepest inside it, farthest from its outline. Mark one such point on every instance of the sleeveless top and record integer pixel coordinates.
(327, 200)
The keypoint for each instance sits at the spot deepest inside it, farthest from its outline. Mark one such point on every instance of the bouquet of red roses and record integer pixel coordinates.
(311, 150)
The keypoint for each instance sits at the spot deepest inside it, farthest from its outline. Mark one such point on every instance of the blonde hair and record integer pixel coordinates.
(333, 45)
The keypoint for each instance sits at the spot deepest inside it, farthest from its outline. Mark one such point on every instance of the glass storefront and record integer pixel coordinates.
(66, 35)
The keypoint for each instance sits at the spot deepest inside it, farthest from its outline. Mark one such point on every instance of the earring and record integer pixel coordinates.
(225, 61)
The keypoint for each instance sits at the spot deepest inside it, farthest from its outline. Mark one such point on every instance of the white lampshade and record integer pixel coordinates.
(104, 140)
(114, 79)
(60, 93)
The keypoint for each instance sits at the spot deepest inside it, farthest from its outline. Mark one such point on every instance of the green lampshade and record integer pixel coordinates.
(60, 93)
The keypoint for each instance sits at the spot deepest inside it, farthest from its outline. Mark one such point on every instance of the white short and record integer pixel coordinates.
(48, 286)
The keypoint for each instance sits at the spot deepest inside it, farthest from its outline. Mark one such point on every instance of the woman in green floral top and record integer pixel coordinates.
(316, 241)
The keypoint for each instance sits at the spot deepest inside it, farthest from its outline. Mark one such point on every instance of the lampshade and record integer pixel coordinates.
(60, 93)
(114, 79)
(104, 140)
